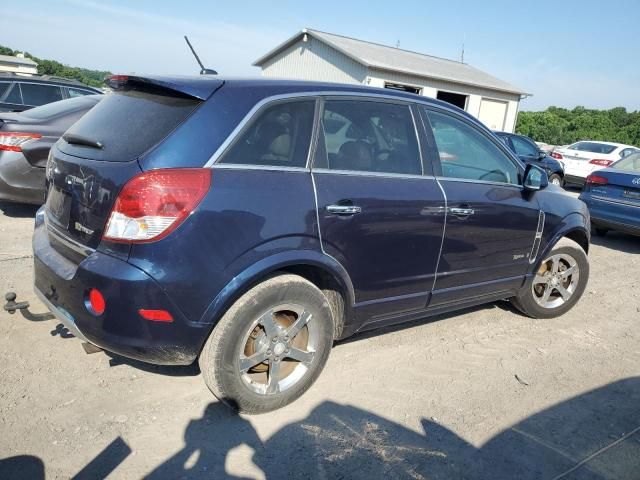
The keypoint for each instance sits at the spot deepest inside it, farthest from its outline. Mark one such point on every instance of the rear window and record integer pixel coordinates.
(593, 147)
(62, 107)
(128, 124)
(630, 163)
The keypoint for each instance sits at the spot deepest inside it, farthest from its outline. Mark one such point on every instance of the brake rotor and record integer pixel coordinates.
(258, 336)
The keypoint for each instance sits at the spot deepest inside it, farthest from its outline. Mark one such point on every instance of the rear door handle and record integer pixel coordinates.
(343, 209)
(461, 211)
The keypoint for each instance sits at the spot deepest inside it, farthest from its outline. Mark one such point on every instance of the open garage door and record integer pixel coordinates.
(493, 113)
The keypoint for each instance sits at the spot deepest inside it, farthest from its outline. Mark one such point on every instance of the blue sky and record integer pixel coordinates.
(566, 53)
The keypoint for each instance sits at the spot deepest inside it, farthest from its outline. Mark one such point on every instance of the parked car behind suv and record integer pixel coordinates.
(25, 141)
(19, 92)
(217, 220)
(583, 158)
(528, 151)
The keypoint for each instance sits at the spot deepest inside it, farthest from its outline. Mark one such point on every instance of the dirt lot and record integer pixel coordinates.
(485, 393)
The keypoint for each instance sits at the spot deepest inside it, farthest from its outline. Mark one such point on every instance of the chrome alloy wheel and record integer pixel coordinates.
(556, 280)
(278, 349)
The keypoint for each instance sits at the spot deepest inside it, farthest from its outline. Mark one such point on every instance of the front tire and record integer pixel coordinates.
(555, 179)
(270, 346)
(558, 284)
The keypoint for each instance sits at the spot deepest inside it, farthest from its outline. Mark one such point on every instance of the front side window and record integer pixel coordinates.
(279, 136)
(369, 136)
(523, 147)
(468, 154)
(35, 94)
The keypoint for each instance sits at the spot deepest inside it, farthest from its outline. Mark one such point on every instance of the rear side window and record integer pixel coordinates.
(369, 136)
(466, 153)
(35, 94)
(128, 124)
(279, 136)
(4, 88)
(13, 95)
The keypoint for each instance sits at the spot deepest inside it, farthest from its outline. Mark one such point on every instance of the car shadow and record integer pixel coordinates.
(593, 436)
(619, 241)
(18, 210)
(423, 321)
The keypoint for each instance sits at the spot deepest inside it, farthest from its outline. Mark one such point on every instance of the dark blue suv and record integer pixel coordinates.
(248, 224)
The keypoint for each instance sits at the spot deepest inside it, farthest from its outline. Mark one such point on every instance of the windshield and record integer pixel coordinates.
(593, 147)
(62, 107)
(631, 163)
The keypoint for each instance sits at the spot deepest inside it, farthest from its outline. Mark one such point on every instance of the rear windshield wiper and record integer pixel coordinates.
(80, 140)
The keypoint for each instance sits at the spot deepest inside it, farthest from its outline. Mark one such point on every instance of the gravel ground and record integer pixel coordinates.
(483, 393)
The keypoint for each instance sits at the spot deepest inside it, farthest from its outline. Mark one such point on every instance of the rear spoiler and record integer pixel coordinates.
(201, 87)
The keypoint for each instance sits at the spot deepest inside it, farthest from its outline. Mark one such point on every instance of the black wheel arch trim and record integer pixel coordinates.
(266, 267)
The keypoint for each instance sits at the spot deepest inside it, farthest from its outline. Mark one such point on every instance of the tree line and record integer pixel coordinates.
(560, 126)
(94, 78)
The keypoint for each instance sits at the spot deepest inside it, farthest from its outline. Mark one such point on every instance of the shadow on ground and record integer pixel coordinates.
(18, 210)
(592, 436)
(617, 241)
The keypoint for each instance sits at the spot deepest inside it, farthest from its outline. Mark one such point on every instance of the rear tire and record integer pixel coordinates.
(270, 346)
(558, 284)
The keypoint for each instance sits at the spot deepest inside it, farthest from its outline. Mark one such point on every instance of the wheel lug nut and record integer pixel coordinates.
(268, 352)
(274, 339)
(277, 359)
(286, 338)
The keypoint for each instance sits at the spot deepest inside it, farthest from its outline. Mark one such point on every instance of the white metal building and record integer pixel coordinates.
(314, 55)
(18, 64)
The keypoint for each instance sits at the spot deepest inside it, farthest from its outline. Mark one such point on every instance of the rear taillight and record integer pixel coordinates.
(13, 141)
(594, 179)
(600, 161)
(556, 155)
(153, 204)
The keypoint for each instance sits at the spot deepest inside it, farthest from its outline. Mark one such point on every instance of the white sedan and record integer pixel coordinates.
(582, 158)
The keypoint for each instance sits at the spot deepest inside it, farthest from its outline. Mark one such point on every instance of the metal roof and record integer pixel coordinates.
(395, 59)
(17, 60)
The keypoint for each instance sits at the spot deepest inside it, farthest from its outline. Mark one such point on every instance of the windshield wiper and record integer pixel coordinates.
(80, 140)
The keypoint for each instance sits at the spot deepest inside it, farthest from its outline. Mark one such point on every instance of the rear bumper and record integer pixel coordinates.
(20, 181)
(613, 215)
(63, 286)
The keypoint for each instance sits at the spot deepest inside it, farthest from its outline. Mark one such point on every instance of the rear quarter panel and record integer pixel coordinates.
(247, 216)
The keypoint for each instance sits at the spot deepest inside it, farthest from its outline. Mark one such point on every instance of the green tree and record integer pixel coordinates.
(94, 78)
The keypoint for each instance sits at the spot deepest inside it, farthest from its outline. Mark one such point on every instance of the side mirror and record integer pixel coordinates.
(535, 178)
(541, 155)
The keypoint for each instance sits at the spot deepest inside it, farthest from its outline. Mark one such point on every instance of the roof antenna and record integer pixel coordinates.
(203, 71)
(464, 38)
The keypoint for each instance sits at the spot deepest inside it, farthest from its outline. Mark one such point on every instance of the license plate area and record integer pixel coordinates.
(59, 206)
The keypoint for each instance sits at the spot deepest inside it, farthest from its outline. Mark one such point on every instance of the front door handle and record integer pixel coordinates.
(461, 211)
(343, 209)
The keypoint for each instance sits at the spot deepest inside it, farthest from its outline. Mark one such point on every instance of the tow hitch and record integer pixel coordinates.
(12, 307)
